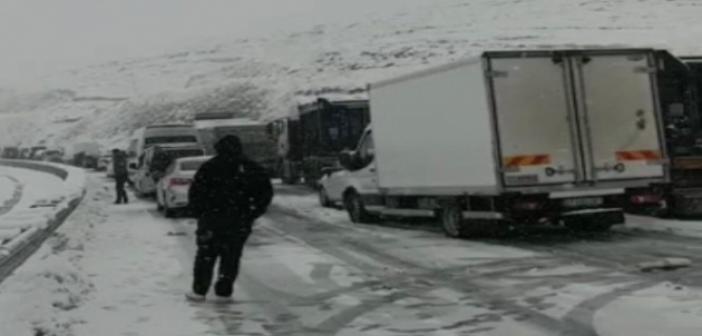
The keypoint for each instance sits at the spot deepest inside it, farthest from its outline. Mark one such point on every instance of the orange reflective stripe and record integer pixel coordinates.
(642, 155)
(526, 160)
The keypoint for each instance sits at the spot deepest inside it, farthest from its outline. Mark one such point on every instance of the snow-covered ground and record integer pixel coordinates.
(123, 269)
(7, 186)
(267, 75)
(24, 189)
(682, 227)
(33, 199)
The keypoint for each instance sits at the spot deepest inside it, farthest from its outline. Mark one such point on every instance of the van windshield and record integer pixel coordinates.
(170, 139)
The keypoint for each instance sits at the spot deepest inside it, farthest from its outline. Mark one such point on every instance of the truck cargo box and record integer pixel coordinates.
(521, 121)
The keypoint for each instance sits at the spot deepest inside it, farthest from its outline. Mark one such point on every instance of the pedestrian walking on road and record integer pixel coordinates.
(228, 193)
(119, 165)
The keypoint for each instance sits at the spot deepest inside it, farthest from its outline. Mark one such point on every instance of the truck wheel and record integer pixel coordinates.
(168, 212)
(356, 209)
(159, 205)
(452, 220)
(324, 198)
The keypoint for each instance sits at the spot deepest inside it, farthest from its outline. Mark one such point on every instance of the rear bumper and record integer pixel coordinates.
(177, 198)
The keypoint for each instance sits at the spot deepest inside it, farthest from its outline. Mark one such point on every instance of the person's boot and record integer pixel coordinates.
(194, 297)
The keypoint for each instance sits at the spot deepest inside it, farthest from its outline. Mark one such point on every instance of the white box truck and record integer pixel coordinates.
(510, 137)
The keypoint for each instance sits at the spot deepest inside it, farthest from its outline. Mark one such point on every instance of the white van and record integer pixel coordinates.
(156, 160)
(161, 134)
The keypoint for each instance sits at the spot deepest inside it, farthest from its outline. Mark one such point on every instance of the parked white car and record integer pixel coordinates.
(155, 162)
(172, 189)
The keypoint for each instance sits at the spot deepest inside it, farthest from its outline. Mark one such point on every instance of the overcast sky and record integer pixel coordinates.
(45, 35)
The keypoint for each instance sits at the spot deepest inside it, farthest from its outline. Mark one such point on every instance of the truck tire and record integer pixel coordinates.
(357, 209)
(452, 220)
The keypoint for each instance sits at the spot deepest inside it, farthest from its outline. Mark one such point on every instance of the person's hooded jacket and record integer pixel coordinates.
(230, 185)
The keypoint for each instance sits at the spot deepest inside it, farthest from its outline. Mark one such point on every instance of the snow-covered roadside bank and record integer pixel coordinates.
(108, 270)
(44, 195)
(10, 193)
(7, 188)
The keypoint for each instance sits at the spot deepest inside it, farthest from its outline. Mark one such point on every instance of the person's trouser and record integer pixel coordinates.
(225, 244)
(121, 192)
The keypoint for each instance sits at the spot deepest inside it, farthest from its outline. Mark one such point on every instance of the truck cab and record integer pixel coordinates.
(683, 131)
(309, 140)
(355, 181)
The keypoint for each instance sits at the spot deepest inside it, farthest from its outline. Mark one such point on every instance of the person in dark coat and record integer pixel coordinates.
(228, 193)
(119, 166)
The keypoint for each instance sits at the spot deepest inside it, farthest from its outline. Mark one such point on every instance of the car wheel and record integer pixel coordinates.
(357, 209)
(159, 205)
(324, 198)
(168, 212)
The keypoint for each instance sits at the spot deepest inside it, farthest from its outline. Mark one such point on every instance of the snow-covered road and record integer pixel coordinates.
(21, 191)
(22, 188)
(122, 270)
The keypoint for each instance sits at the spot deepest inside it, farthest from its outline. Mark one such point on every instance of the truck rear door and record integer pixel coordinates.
(618, 115)
(532, 106)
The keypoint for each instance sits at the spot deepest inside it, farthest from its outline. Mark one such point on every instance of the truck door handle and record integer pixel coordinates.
(551, 171)
(619, 168)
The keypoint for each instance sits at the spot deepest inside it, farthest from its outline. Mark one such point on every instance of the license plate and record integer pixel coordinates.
(583, 202)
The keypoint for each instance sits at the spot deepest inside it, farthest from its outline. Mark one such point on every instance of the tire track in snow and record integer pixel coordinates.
(433, 278)
(620, 251)
(8, 205)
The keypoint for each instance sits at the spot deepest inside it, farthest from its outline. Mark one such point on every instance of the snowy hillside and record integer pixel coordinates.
(267, 76)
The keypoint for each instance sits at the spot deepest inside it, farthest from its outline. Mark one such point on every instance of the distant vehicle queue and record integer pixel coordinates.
(545, 137)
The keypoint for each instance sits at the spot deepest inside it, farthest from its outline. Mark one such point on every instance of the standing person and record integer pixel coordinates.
(119, 165)
(229, 192)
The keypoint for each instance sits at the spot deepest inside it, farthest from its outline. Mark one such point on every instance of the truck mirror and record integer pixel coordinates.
(327, 171)
(346, 159)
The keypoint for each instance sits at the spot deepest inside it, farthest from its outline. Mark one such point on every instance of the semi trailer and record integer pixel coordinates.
(310, 140)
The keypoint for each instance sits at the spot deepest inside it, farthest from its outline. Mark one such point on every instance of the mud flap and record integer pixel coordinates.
(686, 205)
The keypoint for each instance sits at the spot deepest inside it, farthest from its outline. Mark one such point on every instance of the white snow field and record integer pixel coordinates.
(123, 270)
(335, 55)
(7, 189)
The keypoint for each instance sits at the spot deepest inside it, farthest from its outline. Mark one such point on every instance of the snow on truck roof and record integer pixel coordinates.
(168, 126)
(501, 54)
(212, 123)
